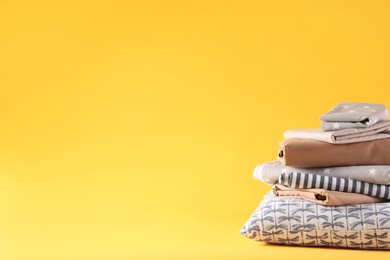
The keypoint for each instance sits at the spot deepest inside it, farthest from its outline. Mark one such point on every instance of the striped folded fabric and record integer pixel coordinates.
(297, 180)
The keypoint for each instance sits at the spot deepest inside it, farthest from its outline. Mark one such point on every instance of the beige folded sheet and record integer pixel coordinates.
(378, 131)
(312, 153)
(325, 197)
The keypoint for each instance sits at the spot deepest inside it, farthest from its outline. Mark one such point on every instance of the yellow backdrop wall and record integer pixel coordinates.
(130, 129)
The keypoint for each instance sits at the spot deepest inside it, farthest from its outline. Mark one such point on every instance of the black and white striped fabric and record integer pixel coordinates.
(297, 180)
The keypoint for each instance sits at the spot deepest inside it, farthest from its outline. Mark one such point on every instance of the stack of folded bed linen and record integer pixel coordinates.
(330, 186)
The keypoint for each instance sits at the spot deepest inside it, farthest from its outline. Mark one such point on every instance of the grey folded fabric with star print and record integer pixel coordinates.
(353, 115)
(380, 174)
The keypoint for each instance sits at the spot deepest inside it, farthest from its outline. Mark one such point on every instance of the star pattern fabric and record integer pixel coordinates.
(336, 125)
(353, 115)
(269, 172)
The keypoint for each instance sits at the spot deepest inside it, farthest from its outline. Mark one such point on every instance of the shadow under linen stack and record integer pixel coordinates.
(330, 186)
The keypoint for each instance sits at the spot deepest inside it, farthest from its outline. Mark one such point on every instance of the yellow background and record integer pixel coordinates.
(130, 129)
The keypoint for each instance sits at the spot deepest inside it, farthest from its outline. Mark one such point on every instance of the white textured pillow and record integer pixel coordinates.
(293, 221)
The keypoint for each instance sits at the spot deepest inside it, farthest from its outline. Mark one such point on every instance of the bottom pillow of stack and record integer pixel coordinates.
(295, 221)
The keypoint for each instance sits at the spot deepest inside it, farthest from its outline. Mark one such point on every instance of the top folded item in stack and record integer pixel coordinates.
(353, 115)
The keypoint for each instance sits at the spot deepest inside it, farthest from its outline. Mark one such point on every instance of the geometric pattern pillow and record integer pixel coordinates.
(294, 221)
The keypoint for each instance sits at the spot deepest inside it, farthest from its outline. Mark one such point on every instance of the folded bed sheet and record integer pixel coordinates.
(325, 197)
(312, 153)
(378, 131)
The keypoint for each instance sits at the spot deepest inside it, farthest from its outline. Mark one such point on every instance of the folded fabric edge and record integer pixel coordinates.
(257, 173)
(281, 152)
